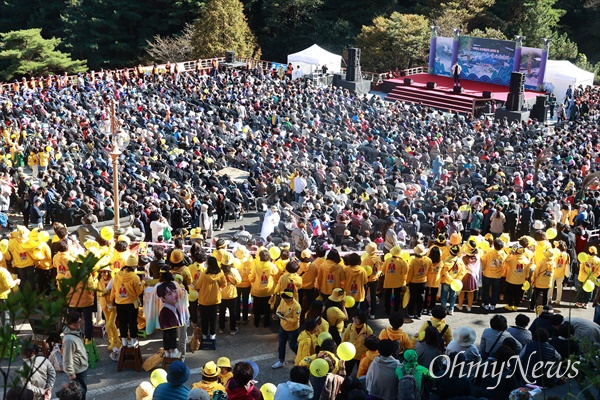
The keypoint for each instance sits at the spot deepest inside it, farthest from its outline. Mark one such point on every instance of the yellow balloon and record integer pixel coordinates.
(43, 237)
(484, 245)
(158, 376)
(387, 256)
(275, 252)
(406, 298)
(319, 367)
(48, 148)
(588, 286)
(4, 245)
(58, 156)
(526, 286)
(346, 351)
(363, 256)
(349, 301)
(192, 295)
(237, 263)
(456, 285)
(582, 257)
(551, 233)
(107, 233)
(323, 336)
(268, 391)
(405, 255)
(369, 270)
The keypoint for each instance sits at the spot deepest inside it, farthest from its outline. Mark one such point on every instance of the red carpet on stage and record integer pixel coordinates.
(443, 96)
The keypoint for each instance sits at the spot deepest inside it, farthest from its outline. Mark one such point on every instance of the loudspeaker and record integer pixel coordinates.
(230, 56)
(336, 79)
(517, 82)
(408, 81)
(541, 100)
(457, 89)
(353, 73)
(353, 56)
(514, 101)
(431, 85)
(539, 112)
(487, 95)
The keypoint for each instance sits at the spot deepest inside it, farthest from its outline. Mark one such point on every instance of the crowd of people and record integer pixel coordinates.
(448, 211)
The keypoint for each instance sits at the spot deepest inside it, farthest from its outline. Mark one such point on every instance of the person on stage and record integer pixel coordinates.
(456, 70)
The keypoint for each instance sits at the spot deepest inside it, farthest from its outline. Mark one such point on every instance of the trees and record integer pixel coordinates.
(27, 53)
(222, 26)
(400, 41)
(175, 48)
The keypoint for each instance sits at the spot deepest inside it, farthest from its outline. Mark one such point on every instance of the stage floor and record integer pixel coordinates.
(471, 88)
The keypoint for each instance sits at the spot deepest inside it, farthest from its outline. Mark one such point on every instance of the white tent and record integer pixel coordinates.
(313, 58)
(561, 73)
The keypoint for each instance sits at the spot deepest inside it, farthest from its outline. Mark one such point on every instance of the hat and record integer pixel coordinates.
(337, 295)
(395, 251)
(178, 373)
(464, 336)
(132, 261)
(549, 253)
(593, 250)
(454, 250)
(419, 250)
(538, 225)
(210, 369)
(392, 219)
(441, 239)
(221, 243)
(241, 252)
(176, 256)
(306, 253)
(471, 247)
(284, 246)
(223, 362)
(144, 391)
(288, 294)
(198, 394)
(371, 247)
(227, 258)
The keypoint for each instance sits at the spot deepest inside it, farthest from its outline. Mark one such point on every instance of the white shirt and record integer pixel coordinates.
(157, 229)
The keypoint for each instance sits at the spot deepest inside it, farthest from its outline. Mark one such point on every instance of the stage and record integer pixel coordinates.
(443, 96)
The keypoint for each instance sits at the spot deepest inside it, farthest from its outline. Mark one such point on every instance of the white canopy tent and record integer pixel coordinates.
(312, 59)
(561, 73)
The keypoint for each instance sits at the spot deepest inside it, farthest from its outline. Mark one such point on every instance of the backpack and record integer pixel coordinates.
(219, 395)
(407, 386)
(441, 335)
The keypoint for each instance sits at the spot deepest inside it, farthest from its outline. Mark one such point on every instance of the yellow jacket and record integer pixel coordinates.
(43, 157)
(516, 268)
(434, 275)
(244, 270)
(543, 274)
(104, 296)
(417, 270)
(289, 315)
(586, 269)
(374, 261)
(330, 276)
(210, 387)
(356, 279)
(540, 247)
(42, 256)
(6, 283)
(195, 269)
(262, 278)
(445, 250)
(127, 287)
(439, 324)
(394, 270)
(357, 338)
(19, 254)
(209, 288)
(232, 280)
(61, 262)
(454, 268)
(308, 271)
(83, 295)
(365, 362)
(492, 263)
(563, 266)
(289, 281)
(119, 259)
(397, 335)
(307, 344)
(185, 273)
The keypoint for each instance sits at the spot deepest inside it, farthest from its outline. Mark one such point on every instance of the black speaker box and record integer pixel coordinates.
(353, 56)
(541, 101)
(539, 112)
(353, 73)
(457, 89)
(514, 101)
(487, 95)
(517, 82)
(229, 56)
(408, 81)
(431, 85)
(336, 79)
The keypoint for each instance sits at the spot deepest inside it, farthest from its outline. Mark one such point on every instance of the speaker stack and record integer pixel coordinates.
(431, 85)
(408, 81)
(540, 109)
(516, 97)
(229, 57)
(353, 72)
(457, 89)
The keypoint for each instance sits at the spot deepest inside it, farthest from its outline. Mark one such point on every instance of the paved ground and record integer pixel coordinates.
(259, 345)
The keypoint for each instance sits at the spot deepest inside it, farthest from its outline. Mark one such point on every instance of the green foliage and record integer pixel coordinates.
(540, 20)
(562, 48)
(489, 33)
(453, 14)
(400, 41)
(28, 53)
(583, 63)
(222, 26)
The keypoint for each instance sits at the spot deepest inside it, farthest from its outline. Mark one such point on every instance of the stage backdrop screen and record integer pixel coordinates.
(530, 66)
(443, 56)
(486, 60)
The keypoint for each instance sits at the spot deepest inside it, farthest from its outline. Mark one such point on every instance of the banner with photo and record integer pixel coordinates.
(531, 59)
(443, 56)
(486, 60)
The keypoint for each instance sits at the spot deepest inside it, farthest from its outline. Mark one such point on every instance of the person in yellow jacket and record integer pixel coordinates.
(356, 279)
(34, 162)
(416, 278)
(121, 254)
(210, 379)
(587, 271)
(7, 283)
(372, 344)
(441, 242)
(395, 333)
(261, 277)
(307, 340)
(394, 271)
(331, 274)
(290, 280)
(453, 268)
(289, 322)
(244, 266)
(81, 298)
(438, 322)
(178, 267)
(373, 260)
(434, 276)
(42, 257)
(209, 285)
(356, 333)
(107, 304)
(516, 269)
(229, 293)
(562, 271)
(492, 267)
(542, 278)
(44, 158)
(126, 289)
(61, 260)
(308, 272)
(21, 257)
(336, 314)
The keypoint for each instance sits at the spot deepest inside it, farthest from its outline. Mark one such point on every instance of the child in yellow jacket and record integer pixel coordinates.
(356, 279)
(395, 333)
(371, 344)
(126, 289)
(373, 260)
(356, 333)
(542, 278)
(394, 270)
(307, 340)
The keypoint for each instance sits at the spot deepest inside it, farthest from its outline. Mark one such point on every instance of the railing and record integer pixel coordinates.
(414, 71)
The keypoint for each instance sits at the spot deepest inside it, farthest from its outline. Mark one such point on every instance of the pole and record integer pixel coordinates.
(115, 164)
